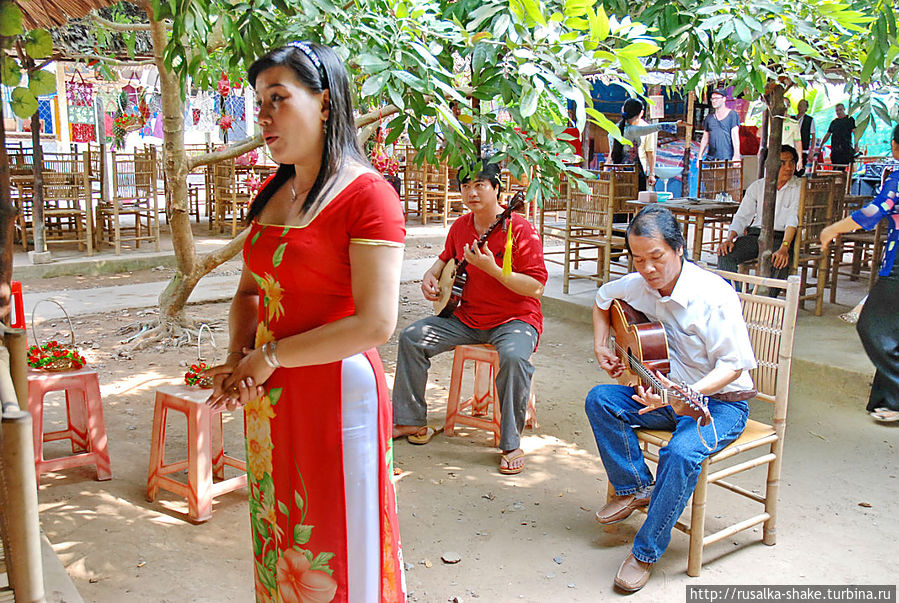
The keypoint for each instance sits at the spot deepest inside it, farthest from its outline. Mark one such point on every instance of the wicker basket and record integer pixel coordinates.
(203, 382)
(40, 352)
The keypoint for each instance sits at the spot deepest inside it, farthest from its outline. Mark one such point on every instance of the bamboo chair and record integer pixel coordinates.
(68, 213)
(134, 194)
(555, 229)
(818, 201)
(413, 179)
(719, 177)
(771, 323)
(438, 197)
(231, 195)
(590, 228)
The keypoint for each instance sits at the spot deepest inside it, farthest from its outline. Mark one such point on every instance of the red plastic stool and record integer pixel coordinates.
(84, 409)
(18, 305)
(484, 397)
(205, 452)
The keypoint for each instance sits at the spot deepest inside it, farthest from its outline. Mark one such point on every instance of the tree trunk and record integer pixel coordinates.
(37, 203)
(772, 167)
(7, 224)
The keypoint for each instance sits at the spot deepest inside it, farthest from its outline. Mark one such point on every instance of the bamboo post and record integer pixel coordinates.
(688, 142)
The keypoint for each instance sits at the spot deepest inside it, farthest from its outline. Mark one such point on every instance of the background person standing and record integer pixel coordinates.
(722, 131)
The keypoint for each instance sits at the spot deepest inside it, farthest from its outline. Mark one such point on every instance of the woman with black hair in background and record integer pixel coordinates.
(631, 114)
(319, 291)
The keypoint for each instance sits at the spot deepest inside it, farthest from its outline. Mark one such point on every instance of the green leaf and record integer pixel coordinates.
(371, 63)
(602, 23)
(639, 49)
(38, 44)
(743, 31)
(274, 395)
(11, 19)
(41, 83)
(374, 84)
(576, 8)
(302, 534)
(402, 11)
(529, 102)
(321, 562)
(278, 256)
(603, 122)
(283, 508)
(24, 104)
(396, 97)
(10, 74)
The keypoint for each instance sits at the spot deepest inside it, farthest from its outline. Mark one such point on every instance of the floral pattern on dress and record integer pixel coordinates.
(288, 573)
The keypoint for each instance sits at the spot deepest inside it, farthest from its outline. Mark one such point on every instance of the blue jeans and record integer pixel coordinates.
(613, 415)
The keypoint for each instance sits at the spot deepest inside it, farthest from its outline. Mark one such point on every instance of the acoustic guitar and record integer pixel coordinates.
(643, 348)
(453, 276)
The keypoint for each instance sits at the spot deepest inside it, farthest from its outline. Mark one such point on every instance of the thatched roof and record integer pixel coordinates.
(53, 13)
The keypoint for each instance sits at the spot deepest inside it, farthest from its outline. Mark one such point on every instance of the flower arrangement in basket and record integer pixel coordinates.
(53, 356)
(196, 375)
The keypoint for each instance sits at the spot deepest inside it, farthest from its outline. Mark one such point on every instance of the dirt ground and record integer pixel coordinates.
(530, 537)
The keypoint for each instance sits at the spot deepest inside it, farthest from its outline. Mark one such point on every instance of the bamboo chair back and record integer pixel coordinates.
(771, 324)
(135, 195)
(67, 200)
(618, 184)
(413, 184)
(590, 234)
(231, 195)
(721, 177)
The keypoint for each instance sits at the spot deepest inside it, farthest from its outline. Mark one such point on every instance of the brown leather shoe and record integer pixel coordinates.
(620, 508)
(633, 574)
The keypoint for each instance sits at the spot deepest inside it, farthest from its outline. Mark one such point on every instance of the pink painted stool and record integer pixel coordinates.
(205, 452)
(84, 409)
(484, 397)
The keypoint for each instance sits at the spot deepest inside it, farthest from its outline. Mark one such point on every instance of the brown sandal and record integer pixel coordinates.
(423, 435)
(509, 458)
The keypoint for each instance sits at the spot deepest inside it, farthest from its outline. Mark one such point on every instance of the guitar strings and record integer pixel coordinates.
(654, 382)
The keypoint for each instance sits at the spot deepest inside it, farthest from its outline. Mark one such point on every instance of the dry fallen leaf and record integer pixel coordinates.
(865, 505)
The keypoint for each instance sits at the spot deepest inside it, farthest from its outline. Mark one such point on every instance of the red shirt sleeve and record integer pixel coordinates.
(452, 245)
(379, 217)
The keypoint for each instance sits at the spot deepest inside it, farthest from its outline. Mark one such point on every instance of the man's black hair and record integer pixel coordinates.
(655, 220)
(481, 169)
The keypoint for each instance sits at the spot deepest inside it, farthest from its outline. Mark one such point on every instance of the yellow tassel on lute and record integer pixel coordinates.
(507, 254)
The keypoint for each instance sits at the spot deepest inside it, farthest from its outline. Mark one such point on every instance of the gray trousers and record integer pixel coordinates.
(514, 342)
(746, 248)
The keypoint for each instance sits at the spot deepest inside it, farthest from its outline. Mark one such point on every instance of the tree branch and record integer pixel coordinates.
(116, 62)
(224, 253)
(121, 26)
(235, 150)
(374, 116)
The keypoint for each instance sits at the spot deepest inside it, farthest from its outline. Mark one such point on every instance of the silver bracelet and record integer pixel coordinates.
(269, 353)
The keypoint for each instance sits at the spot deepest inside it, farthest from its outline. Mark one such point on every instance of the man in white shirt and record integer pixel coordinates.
(742, 242)
(709, 349)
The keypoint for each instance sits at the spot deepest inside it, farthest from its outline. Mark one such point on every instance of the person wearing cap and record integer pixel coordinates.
(500, 306)
(721, 131)
(742, 242)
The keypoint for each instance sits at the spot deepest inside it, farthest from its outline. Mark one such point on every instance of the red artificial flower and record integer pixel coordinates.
(224, 86)
(226, 122)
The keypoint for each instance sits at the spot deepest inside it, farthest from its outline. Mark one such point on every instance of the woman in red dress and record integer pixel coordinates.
(319, 290)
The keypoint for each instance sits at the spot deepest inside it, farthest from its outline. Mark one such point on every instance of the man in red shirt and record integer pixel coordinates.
(500, 309)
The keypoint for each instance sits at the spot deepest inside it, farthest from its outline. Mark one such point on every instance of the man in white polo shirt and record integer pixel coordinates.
(742, 243)
(709, 349)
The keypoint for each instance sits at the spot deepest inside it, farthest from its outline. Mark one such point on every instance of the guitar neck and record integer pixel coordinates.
(516, 200)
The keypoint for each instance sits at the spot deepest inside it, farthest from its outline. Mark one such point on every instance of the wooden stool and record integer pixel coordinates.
(205, 452)
(84, 409)
(484, 397)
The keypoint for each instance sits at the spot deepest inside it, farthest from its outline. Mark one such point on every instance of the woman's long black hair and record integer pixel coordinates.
(341, 143)
(630, 110)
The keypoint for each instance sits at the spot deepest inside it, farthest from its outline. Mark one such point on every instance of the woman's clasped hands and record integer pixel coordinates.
(239, 379)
